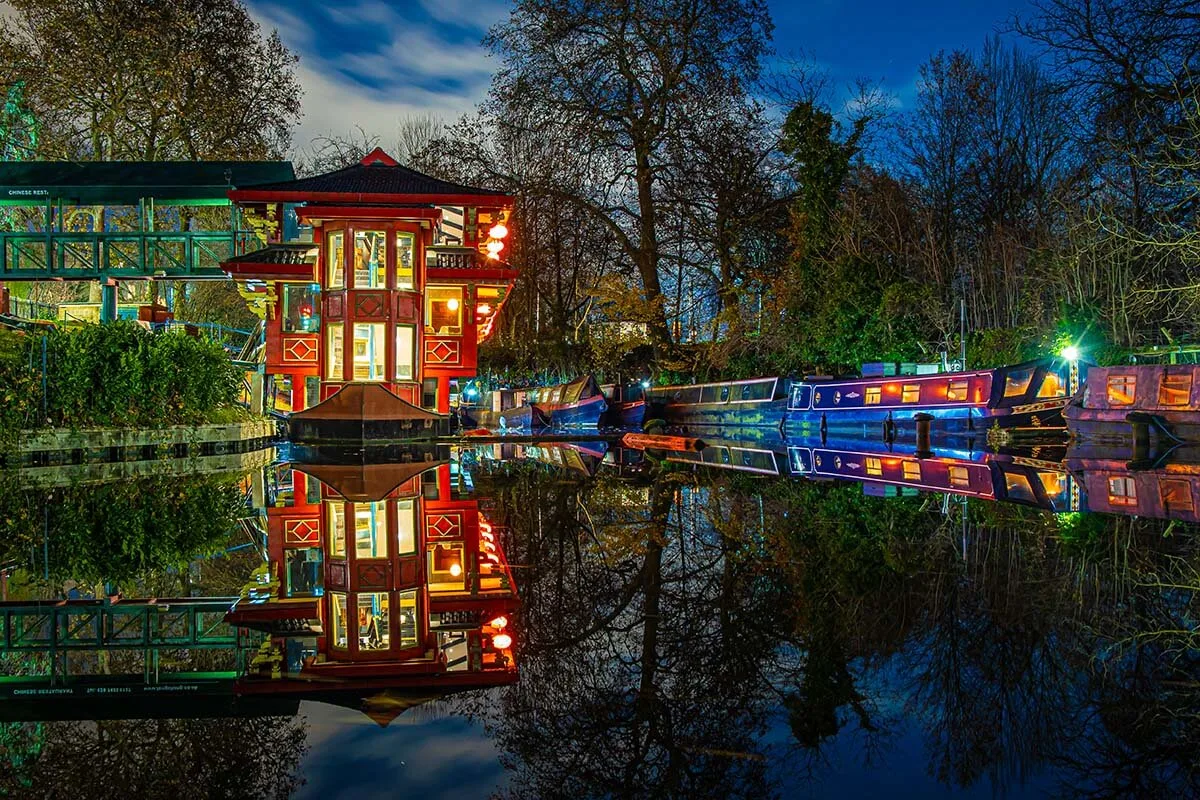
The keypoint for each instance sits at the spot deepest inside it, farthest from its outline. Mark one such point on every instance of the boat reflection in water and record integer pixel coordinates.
(390, 578)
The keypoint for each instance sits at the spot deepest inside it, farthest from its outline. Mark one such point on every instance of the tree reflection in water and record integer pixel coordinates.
(674, 628)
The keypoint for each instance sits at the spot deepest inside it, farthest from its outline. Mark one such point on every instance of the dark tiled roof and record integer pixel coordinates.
(280, 254)
(377, 174)
(125, 182)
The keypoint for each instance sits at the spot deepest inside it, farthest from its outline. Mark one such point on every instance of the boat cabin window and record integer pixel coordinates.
(1122, 492)
(763, 390)
(1052, 386)
(912, 470)
(335, 260)
(709, 394)
(337, 530)
(723, 395)
(1175, 390)
(911, 393)
(1176, 495)
(956, 391)
(1017, 487)
(341, 633)
(874, 466)
(555, 396)
(1017, 383)
(1122, 389)
(1055, 484)
(960, 477)
(874, 395)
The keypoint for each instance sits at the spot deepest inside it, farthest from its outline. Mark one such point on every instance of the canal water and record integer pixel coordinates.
(581, 620)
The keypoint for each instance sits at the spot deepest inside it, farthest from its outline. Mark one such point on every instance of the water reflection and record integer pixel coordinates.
(756, 618)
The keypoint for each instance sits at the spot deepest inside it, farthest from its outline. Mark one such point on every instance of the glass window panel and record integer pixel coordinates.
(406, 528)
(300, 308)
(911, 393)
(1053, 385)
(334, 349)
(341, 634)
(443, 310)
(960, 478)
(337, 529)
(1122, 492)
(1122, 389)
(407, 618)
(404, 261)
(874, 466)
(335, 260)
(370, 530)
(368, 351)
(708, 394)
(373, 619)
(304, 573)
(1018, 382)
(912, 470)
(370, 260)
(1018, 487)
(406, 352)
(874, 395)
(1176, 390)
(1176, 495)
(956, 392)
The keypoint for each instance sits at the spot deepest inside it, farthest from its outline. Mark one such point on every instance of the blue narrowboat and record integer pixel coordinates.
(626, 406)
(1031, 395)
(578, 404)
(759, 402)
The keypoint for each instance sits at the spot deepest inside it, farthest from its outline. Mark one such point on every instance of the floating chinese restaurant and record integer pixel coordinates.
(374, 315)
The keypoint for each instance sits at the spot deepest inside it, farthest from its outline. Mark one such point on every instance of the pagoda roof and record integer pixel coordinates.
(376, 180)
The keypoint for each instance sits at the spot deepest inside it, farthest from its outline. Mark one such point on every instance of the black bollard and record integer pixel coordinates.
(924, 431)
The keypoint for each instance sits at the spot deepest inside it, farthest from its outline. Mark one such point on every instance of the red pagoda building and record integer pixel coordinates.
(370, 320)
(385, 577)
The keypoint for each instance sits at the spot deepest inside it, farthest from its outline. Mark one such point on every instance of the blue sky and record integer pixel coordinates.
(371, 62)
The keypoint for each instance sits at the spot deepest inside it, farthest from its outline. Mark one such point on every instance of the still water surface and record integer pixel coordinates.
(670, 628)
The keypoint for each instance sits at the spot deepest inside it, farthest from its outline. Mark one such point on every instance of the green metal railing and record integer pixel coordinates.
(99, 624)
(91, 256)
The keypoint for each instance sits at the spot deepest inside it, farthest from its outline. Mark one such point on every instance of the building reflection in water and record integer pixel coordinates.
(384, 576)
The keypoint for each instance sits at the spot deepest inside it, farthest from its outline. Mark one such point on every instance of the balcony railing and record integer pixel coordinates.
(82, 256)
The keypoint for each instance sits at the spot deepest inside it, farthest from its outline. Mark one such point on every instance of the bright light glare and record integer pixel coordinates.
(502, 641)
(455, 570)
(645, 384)
(1070, 353)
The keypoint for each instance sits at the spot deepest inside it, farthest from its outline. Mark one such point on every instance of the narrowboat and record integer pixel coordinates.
(758, 402)
(1169, 490)
(578, 404)
(757, 457)
(1159, 402)
(1038, 482)
(626, 406)
(1028, 396)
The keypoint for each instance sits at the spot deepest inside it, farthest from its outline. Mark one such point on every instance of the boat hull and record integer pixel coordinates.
(632, 415)
(523, 418)
(758, 414)
(583, 414)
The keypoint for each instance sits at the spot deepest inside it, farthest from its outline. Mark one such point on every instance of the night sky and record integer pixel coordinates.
(370, 62)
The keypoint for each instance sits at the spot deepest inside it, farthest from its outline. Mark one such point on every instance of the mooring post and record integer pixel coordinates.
(108, 301)
(924, 434)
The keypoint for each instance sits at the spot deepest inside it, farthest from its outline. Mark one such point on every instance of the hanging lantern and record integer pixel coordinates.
(495, 246)
(498, 231)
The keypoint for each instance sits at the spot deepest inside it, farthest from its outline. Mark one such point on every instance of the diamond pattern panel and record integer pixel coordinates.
(300, 349)
(369, 306)
(372, 576)
(301, 531)
(443, 526)
(442, 351)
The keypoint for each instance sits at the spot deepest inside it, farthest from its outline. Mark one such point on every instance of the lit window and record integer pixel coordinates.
(300, 312)
(956, 392)
(373, 619)
(407, 602)
(443, 311)
(1176, 495)
(368, 351)
(333, 350)
(1176, 390)
(1122, 389)
(1017, 487)
(340, 633)
(337, 530)
(912, 470)
(911, 393)
(874, 466)
(406, 352)
(335, 260)
(370, 530)
(874, 395)
(404, 261)
(370, 260)
(1018, 382)
(1052, 386)
(959, 477)
(1122, 492)
(1054, 483)
(406, 531)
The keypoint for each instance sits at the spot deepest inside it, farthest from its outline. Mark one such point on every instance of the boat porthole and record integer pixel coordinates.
(817, 460)
(837, 397)
(818, 397)
(837, 462)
